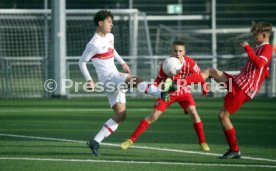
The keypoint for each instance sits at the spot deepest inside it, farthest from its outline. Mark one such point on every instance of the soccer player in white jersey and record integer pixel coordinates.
(100, 51)
(246, 84)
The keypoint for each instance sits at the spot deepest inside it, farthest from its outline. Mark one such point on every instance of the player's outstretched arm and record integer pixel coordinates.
(120, 60)
(84, 70)
(260, 60)
(126, 68)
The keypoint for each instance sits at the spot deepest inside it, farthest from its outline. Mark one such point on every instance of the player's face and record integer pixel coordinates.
(259, 38)
(106, 25)
(178, 51)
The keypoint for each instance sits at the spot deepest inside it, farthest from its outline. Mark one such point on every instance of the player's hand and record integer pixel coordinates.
(244, 43)
(90, 85)
(126, 68)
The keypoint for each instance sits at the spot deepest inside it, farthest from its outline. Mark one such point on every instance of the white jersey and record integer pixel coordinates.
(100, 50)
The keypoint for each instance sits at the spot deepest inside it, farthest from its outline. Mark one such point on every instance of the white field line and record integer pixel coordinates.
(140, 162)
(3, 110)
(73, 109)
(139, 147)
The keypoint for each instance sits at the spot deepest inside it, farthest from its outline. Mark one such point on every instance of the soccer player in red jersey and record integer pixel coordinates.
(183, 96)
(246, 84)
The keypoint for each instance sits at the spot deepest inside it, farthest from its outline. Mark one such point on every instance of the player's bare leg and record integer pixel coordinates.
(142, 127)
(108, 128)
(119, 112)
(218, 75)
(224, 118)
(153, 116)
(131, 79)
(150, 88)
(230, 134)
(198, 126)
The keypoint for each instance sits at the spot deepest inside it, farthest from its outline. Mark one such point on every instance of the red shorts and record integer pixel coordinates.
(185, 100)
(235, 97)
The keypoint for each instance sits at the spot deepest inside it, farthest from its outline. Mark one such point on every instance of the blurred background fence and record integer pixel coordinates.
(143, 30)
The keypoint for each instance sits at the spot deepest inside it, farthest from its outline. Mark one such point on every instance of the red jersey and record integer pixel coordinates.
(256, 69)
(189, 66)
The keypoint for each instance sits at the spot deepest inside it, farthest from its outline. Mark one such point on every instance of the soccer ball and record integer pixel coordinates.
(171, 66)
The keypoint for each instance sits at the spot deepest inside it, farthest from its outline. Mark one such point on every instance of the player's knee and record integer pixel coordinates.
(191, 111)
(222, 115)
(211, 71)
(206, 73)
(138, 80)
(133, 80)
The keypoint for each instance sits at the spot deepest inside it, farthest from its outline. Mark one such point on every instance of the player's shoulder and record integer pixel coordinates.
(110, 34)
(264, 45)
(188, 58)
(95, 41)
(268, 45)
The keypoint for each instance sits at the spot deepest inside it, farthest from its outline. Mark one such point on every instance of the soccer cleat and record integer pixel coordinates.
(231, 155)
(173, 87)
(124, 145)
(169, 86)
(204, 147)
(94, 146)
(165, 96)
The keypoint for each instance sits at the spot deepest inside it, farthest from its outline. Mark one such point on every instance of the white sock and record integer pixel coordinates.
(148, 88)
(108, 128)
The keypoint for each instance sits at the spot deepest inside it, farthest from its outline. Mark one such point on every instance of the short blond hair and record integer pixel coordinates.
(261, 27)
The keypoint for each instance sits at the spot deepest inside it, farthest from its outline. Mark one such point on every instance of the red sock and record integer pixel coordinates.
(231, 139)
(140, 129)
(199, 132)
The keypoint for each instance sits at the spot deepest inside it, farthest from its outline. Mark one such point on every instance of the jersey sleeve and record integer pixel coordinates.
(194, 67)
(264, 57)
(118, 58)
(84, 70)
(88, 53)
(160, 77)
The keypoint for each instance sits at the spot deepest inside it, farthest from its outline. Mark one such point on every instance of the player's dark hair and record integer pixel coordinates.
(102, 15)
(178, 42)
(261, 27)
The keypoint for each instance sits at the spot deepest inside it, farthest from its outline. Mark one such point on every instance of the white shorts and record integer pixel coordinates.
(117, 96)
